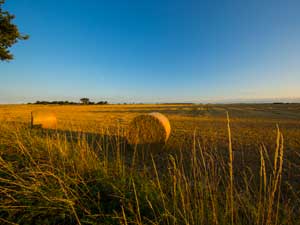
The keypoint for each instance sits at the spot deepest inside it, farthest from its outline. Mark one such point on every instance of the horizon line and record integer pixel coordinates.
(204, 101)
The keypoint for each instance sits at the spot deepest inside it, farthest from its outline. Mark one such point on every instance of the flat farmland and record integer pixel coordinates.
(258, 143)
(251, 124)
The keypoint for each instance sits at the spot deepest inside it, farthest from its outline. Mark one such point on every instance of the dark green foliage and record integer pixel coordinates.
(9, 34)
(84, 102)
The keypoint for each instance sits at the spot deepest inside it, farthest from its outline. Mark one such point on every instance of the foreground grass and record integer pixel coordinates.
(52, 177)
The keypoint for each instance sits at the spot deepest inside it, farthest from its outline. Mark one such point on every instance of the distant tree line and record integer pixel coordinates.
(281, 103)
(83, 101)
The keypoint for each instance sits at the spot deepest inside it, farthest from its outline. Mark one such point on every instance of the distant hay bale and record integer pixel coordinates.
(152, 128)
(43, 119)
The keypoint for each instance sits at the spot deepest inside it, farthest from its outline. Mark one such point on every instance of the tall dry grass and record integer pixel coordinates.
(54, 177)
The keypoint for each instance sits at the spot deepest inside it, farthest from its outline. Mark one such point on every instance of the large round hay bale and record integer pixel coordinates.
(43, 119)
(152, 128)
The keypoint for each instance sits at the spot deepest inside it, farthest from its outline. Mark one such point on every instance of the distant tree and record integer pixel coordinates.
(9, 34)
(85, 101)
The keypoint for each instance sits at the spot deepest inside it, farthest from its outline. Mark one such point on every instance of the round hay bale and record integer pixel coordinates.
(43, 119)
(152, 128)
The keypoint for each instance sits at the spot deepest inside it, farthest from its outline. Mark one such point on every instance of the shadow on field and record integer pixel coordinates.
(180, 152)
(111, 147)
(192, 111)
(115, 148)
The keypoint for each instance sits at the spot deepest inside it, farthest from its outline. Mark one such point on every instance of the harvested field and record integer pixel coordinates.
(85, 173)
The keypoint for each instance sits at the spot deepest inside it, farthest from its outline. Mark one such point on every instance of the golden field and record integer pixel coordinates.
(244, 169)
(252, 125)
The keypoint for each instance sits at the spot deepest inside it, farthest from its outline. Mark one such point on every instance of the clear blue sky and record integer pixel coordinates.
(152, 51)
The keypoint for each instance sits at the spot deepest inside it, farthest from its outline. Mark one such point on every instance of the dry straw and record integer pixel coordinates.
(43, 119)
(152, 128)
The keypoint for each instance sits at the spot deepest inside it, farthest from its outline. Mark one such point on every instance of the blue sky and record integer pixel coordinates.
(154, 51)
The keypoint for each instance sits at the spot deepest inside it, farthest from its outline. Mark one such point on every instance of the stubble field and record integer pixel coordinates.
(214, 169)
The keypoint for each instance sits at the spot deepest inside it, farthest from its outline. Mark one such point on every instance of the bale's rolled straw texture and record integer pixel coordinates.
(43, 119)
(152, 128)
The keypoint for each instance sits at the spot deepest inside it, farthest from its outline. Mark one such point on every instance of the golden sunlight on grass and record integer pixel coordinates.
(216, 168)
